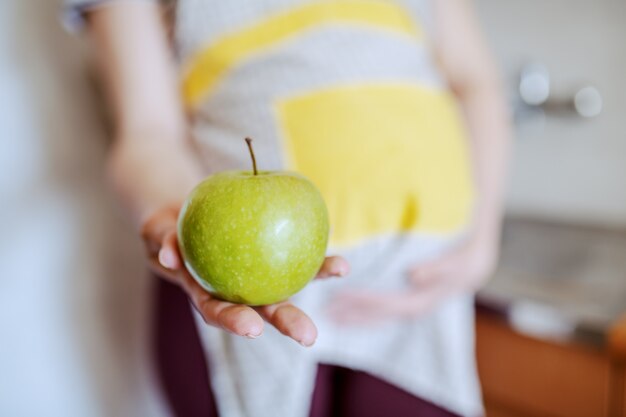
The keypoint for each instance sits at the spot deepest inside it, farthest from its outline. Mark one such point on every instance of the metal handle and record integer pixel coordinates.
(535, 93)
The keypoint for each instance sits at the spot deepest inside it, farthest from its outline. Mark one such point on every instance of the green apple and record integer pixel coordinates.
(253, 237)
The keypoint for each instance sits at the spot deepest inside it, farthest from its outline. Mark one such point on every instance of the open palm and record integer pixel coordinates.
(159, 233)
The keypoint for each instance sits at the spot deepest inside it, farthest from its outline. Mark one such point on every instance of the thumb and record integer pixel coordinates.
(156, 228)
(169, 256)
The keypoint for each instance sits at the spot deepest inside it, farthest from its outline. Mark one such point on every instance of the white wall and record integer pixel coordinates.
(73, 291)
(570, 169)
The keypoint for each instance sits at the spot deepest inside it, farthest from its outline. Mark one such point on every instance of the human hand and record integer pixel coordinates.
(159, 233)
(463, 269)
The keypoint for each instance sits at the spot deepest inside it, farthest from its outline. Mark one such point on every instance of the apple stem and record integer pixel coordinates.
(249, 142)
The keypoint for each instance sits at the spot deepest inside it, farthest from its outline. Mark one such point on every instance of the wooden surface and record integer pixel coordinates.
(623, 394)
(522, 376)
(496, 410)
(617, 340)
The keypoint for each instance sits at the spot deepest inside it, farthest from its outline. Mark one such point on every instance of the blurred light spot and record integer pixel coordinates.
(588, 102)
(534, 88)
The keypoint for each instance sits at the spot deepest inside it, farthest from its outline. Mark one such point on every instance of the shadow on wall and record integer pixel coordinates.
(74, 301)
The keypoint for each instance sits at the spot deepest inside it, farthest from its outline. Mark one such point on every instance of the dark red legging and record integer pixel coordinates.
(339, 392)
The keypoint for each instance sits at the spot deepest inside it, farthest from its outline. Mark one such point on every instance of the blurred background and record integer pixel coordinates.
(74, 293)
(75, 298)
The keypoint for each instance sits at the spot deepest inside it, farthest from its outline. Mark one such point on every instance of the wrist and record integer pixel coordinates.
(486, 231)
(150, 212)
(148, 177)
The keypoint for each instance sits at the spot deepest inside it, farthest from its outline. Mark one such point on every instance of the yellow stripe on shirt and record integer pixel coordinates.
(209, 65)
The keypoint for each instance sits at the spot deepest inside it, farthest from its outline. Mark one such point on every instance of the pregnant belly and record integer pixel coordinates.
(388, 158)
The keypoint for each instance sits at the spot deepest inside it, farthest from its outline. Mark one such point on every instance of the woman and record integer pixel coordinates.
(360, 96)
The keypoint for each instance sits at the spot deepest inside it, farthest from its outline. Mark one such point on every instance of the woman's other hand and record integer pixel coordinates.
(461, 270)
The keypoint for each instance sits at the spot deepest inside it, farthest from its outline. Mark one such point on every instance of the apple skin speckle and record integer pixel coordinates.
(254, 239)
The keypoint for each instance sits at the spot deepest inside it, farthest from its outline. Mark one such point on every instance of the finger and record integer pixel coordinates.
(239, 319)
(371, 303)
(169, 255)
(334, 266)
(431, 272)
(356, 309)
(157, 226)
(355, 316)
(235, 318)
(155, 266)
(290, 321)
(372, 307)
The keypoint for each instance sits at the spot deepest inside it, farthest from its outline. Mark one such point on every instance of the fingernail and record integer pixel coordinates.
(303, 343)
(165, 258)
(251, 336)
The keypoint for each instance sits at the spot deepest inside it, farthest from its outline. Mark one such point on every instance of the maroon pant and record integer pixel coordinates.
(339, 392)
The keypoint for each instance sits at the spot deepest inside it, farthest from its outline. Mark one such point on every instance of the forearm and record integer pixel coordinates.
(474, 78)
(151, 163)
(488, 125)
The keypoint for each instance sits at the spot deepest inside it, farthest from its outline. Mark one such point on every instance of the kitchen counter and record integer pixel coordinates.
(550, 329)
(559, 281)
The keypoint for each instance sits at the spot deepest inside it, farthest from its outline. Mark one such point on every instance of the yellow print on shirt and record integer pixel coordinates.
(387, 158)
